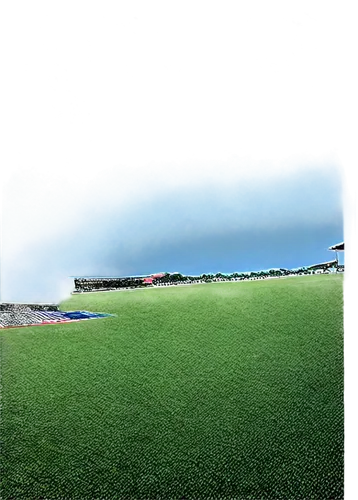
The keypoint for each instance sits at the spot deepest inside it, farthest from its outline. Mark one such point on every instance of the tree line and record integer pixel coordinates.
(96, 284)
(177, 277)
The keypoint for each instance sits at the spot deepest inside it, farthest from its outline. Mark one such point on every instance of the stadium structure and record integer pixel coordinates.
(17, 315)
(153, 278)
(331, 264)
(339, 247)
(324, 266)
(101, 283)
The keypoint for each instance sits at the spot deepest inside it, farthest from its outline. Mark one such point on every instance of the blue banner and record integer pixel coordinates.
(84, 315)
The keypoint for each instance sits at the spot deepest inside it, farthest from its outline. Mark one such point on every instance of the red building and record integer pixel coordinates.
(149, 281)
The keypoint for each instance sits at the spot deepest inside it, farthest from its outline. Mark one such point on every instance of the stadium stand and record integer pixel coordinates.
(96, 284)
(100, 284)
(338, 248)
(28, 314)
(17, 315)
(27, 307)
(324, 266)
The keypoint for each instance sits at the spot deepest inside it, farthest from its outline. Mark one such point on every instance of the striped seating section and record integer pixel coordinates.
(12, 318)
(20, 317)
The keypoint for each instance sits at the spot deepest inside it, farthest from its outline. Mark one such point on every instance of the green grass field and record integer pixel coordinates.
(216, 391)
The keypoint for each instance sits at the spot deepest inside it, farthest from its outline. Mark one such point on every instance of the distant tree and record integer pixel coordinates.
(162, 279)
(177, 277)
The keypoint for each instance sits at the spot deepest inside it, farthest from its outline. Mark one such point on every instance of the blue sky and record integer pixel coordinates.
(219, 217)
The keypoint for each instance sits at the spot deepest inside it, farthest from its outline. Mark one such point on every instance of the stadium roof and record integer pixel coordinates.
(330, 263)
(272, 269)
(339, 247)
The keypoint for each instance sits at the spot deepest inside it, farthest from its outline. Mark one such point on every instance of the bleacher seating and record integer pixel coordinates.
(27, 314)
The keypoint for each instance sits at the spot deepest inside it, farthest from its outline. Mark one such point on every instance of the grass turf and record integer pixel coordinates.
(224, 390)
